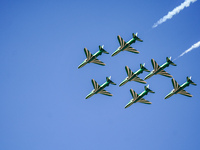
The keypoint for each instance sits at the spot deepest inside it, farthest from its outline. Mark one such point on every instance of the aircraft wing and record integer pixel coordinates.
(139, 40)
(134, 94)
(128, 71)
(164, 73)
(104, 92)
(155, 65)
(142, 100)
(175, 84)
(87, 53)
(96, 61)
(183, 92)
(130, 49)
(95, 84)
(137, 79)
(121, 41)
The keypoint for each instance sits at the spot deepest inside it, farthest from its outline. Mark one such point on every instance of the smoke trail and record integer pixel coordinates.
(196, 45)
(174, 12)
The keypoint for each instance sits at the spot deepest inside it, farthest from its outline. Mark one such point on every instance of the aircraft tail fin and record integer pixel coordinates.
(148, 90)
(143, 68)
(102, 49)
(190, 81)
(136, 37)
(170, 61)
(108, 79)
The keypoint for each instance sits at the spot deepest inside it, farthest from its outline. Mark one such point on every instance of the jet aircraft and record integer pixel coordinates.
(160, 69)
(179, 89)
(139, 98)
(93, 58)
(126, 46)
(134, 76)
(100, 88)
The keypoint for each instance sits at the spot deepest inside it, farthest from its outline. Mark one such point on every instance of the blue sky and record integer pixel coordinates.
(42, 100)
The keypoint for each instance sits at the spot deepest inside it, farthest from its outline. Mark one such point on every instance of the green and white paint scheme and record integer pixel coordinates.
(100, 88)
(134, 76)
(179, 89)
(139, 98)
(160, 69)
(126, 46)
(93, 58)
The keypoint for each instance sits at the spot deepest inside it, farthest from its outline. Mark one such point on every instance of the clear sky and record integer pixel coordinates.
(42, 92)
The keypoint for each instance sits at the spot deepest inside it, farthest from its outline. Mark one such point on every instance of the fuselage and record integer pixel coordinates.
(131, 41)
(101, 87)
(153, 72)
(132, 101)
(122, 48)
(162, 67)
(129, 78)
(140, 96)
(95, 91)
(91, 59)
(175, 91)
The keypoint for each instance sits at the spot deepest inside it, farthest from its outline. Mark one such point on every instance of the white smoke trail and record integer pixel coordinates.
(174, 12)
(196, 45)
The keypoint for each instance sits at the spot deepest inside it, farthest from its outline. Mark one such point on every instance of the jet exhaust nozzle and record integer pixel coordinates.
(143, 68)
(170, 61)
(190, 81)
(102, 50)
(108, 79)
(148, 90)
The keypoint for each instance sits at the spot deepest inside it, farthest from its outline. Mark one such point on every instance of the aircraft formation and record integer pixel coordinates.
(133, 76)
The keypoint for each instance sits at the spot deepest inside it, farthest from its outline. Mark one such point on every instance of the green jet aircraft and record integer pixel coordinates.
(139, 98)
(100, 88)
(126, 46)
(93, 58)
(179, 89)
(160, 69)
(134, 76)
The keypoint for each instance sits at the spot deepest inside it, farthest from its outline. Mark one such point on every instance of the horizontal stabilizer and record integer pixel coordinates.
(102, 50)
(136, 37)
(170, 62)
(143, 68)
(190, 81)
(108, 79)
(148, 90)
